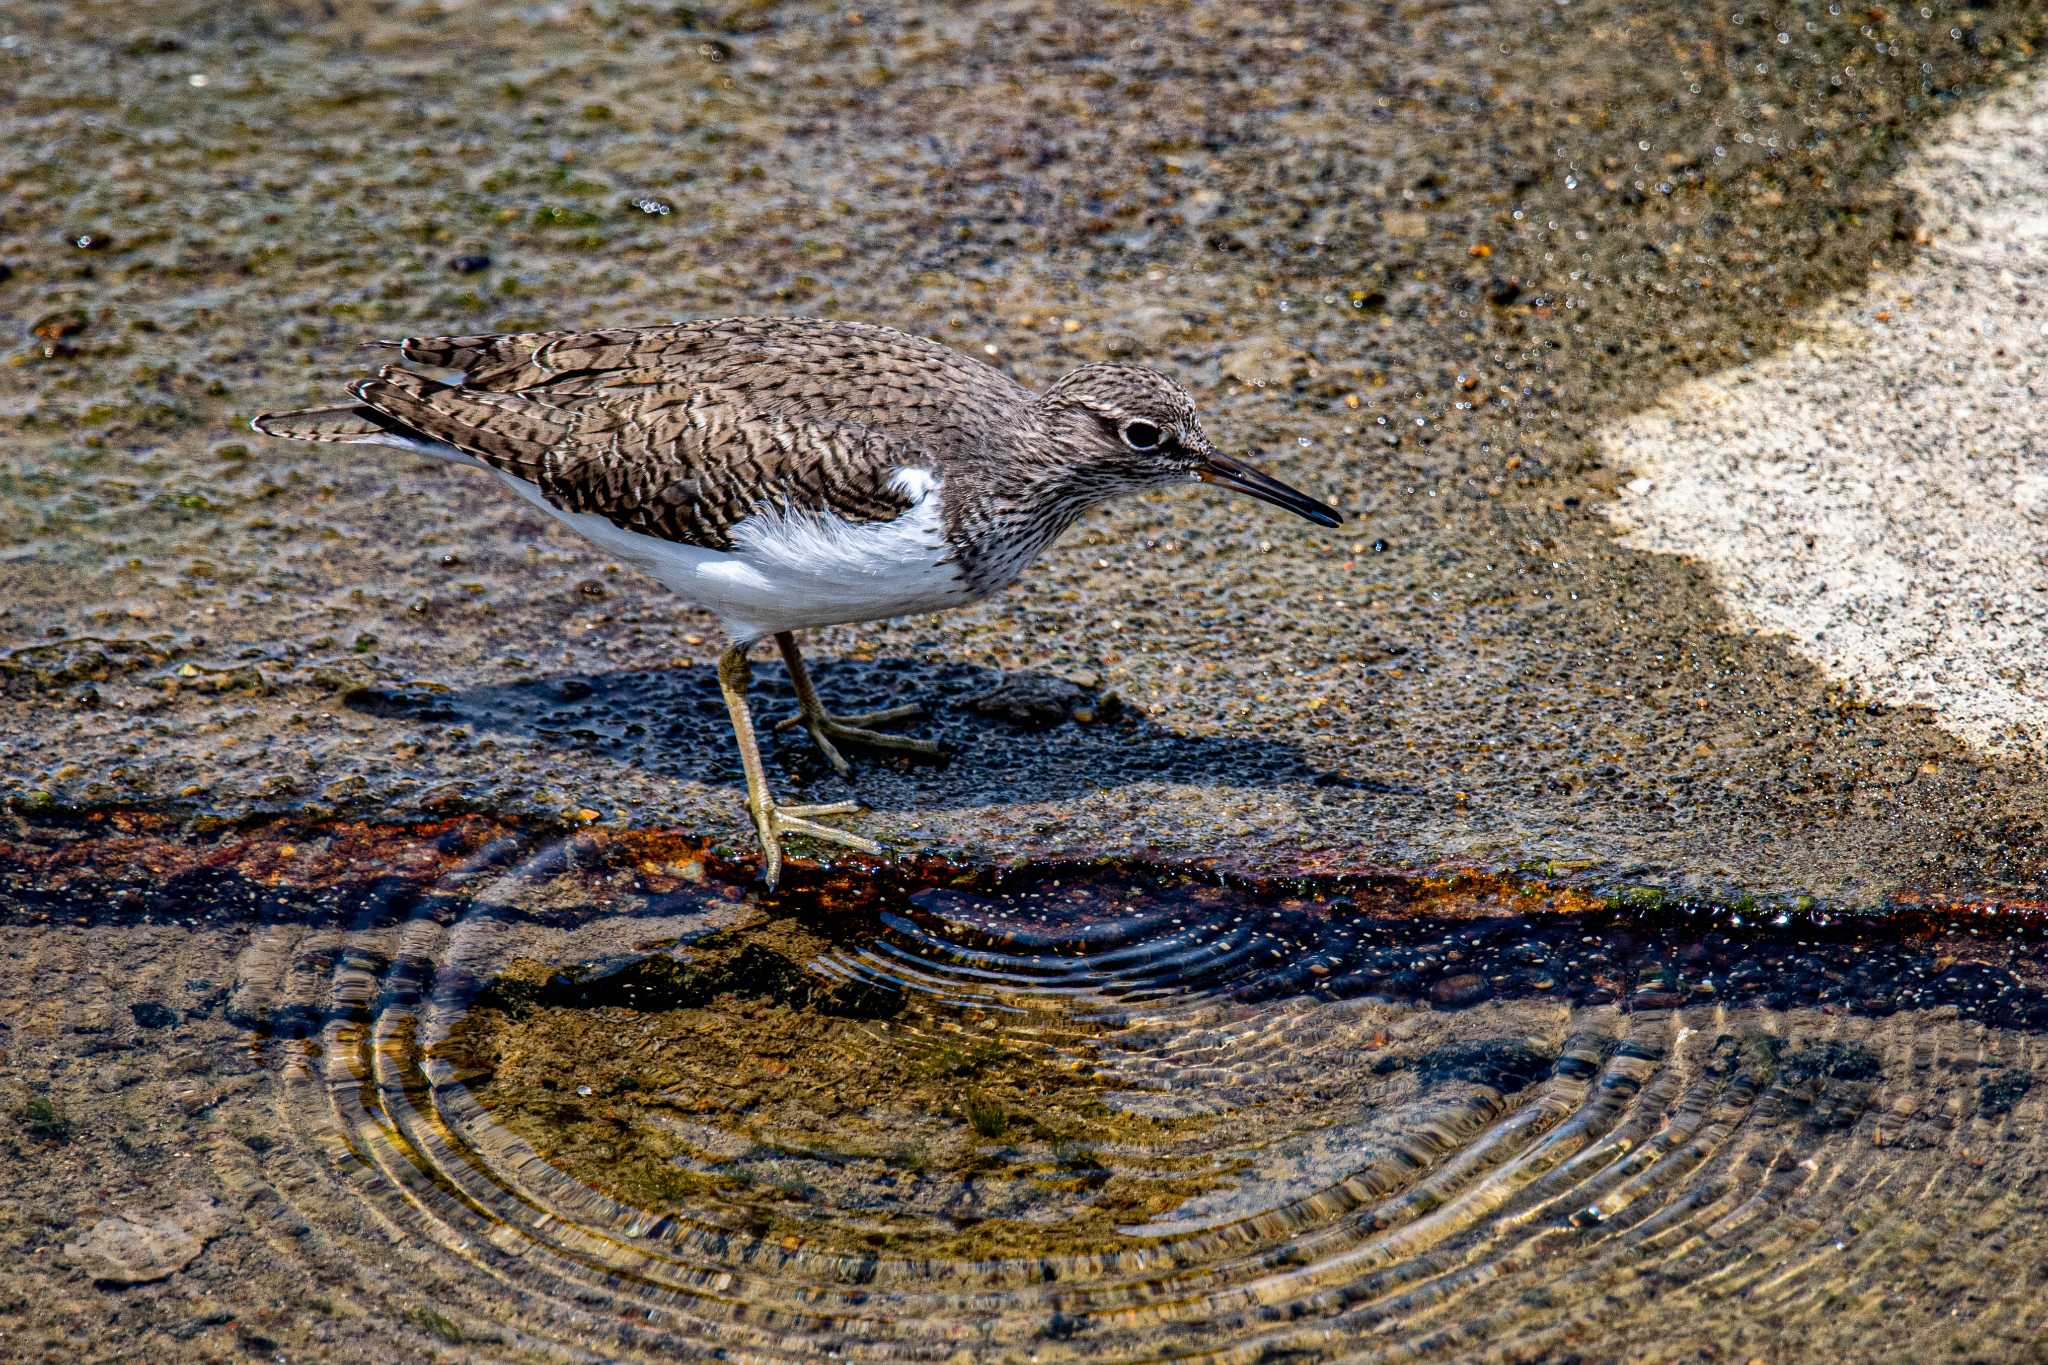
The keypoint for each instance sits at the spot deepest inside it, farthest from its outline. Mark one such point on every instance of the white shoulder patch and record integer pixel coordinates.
(912, 482)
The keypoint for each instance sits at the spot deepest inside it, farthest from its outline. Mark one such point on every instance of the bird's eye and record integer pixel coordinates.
(1142, 435)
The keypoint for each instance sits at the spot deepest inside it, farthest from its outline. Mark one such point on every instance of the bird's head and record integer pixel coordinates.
(1124, 428)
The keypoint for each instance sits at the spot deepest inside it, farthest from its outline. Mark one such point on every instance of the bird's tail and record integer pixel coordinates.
(349, 422)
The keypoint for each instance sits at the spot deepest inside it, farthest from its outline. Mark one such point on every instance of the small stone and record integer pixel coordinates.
(57, 326)
(1453, 992)
(150, 1014)
(122, 1250)
(2030, 496)
(1406, 225)
(1266, 361)
(470, 264)
(1033, 700)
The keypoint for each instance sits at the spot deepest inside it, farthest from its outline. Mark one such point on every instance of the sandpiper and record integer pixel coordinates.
(788, 473)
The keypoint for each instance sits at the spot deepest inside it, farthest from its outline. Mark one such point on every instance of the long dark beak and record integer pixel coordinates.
(1224, 472)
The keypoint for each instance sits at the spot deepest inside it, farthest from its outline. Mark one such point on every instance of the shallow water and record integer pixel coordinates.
(553, 1095)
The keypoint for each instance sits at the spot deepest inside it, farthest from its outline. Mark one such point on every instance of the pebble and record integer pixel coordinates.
(121, 1250)
(1466, 988)
(2030, 496)
(1267, 360)
(1033, 700)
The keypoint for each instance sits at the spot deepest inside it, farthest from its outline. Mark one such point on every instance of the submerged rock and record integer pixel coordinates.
(121, 1250)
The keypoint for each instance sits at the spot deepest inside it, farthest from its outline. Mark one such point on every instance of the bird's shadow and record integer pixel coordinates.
(1011, 736)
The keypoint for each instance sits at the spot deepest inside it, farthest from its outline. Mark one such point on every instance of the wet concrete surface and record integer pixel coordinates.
(1413, 255)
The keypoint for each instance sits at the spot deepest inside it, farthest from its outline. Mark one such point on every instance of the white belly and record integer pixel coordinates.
(792, 571)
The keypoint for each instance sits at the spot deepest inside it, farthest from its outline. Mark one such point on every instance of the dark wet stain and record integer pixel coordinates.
(654, 984)
(1506, 1064)
(1827, 1085)
(1830, 1061)
(152, 1015)
(404, 703)
(1448, 942)
(2001, 1090)
(1834, 1083)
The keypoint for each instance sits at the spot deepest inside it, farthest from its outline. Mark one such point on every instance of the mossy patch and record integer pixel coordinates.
(741, 1087)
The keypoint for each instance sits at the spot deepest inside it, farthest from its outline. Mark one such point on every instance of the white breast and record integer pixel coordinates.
(795, 570)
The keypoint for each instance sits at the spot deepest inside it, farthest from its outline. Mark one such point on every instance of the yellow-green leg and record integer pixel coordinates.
(826, 727)
(771, 822)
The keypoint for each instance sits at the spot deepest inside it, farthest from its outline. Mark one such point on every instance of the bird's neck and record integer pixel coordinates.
(1003, 511)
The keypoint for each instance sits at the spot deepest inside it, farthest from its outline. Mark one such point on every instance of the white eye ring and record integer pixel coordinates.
(1134, 431)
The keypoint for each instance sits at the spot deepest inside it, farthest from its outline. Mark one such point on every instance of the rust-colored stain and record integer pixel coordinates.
(43, 855)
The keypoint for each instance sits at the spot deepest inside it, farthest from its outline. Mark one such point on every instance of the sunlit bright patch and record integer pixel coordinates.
(1877, 491)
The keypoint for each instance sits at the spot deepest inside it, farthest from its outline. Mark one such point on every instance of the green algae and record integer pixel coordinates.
(937, 1144)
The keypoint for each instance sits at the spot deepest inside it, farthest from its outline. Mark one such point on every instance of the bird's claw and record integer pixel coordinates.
(887, 716)
(771, 822)
(826, 727)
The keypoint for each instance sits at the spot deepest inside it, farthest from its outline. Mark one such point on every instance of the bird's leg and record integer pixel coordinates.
(826, 727)
(771, 822)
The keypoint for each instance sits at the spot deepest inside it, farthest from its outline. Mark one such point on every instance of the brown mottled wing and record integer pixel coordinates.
(655, 453)
(855, 372)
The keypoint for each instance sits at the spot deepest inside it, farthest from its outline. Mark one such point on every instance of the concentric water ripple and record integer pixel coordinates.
(477, 1087)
